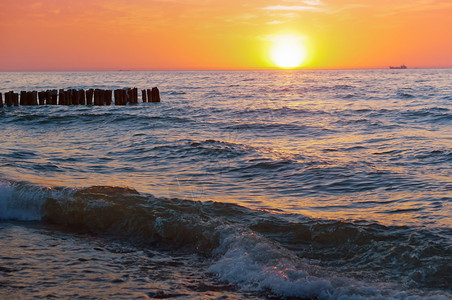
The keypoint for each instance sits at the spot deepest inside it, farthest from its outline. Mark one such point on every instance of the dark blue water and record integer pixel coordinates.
(311, 184)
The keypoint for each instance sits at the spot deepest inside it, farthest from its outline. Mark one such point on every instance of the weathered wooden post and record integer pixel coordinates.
(54, 95)
(66, 97)
(122, 97)
(115, 94)
(69, 97)
(100, 100)
(99, 97)
(89, 97)
(34, 98)
(152, 95)
(74, 96)
(102, 97)
(148, 92)
(1, 100)
(61, 97)
(118, 95)
(143, 96)
(12, 98)
(23, 97)
(29, 98)
(15, 97)
(78, 97)
(41, 96)
(48, 97)
(134, 95)
(155, 94)
(108, 94)
(82, 97)
(9, 99)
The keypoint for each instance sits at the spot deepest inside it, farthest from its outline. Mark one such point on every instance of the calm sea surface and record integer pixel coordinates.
(241, 184)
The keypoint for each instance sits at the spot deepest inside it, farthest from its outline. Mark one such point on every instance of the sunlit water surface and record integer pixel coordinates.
(338, 153)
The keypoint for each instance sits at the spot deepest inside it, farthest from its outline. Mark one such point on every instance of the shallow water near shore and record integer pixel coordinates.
(240, 184)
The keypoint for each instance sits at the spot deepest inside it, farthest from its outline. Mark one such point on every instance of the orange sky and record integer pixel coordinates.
(213, 34)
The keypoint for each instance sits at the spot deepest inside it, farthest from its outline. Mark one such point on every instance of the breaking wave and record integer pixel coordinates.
(281, 255)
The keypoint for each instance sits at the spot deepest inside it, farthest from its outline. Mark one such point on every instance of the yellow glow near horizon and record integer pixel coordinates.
(288, 51)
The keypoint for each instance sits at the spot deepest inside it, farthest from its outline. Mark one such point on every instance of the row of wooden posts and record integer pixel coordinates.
(80, 97)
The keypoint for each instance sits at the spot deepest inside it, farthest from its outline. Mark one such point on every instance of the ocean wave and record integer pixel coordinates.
(404, 95)
(433, 157)
(343, 87)
(199, 150)
(25, 202)
(428, 115)
(293, 128)
(280, 111)
(281, 255)
(175, 92)
(53, 116)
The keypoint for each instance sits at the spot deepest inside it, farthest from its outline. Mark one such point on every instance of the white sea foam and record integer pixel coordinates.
(256, 264)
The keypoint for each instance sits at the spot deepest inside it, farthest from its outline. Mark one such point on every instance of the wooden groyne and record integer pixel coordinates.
(79, 97)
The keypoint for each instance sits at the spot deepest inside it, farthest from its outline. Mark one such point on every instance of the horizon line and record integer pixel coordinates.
(199, 70)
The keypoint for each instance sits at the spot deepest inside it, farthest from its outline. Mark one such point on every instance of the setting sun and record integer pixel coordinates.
(288, 51)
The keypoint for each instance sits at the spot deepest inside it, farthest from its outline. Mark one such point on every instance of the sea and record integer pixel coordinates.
(272, 184)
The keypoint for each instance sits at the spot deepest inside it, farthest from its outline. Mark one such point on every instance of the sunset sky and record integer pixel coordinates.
(218, 34)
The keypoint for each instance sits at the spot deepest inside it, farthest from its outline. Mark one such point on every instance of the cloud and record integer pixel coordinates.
(313, 2)
(416, 6)
(306, 5)
(291, 7)
(275, 22)
(307, 2)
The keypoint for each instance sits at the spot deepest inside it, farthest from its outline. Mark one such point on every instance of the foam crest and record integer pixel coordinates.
(23, 201)
(255, 263)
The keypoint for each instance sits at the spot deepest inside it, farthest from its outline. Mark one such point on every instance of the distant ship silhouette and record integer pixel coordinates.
(401, 67)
